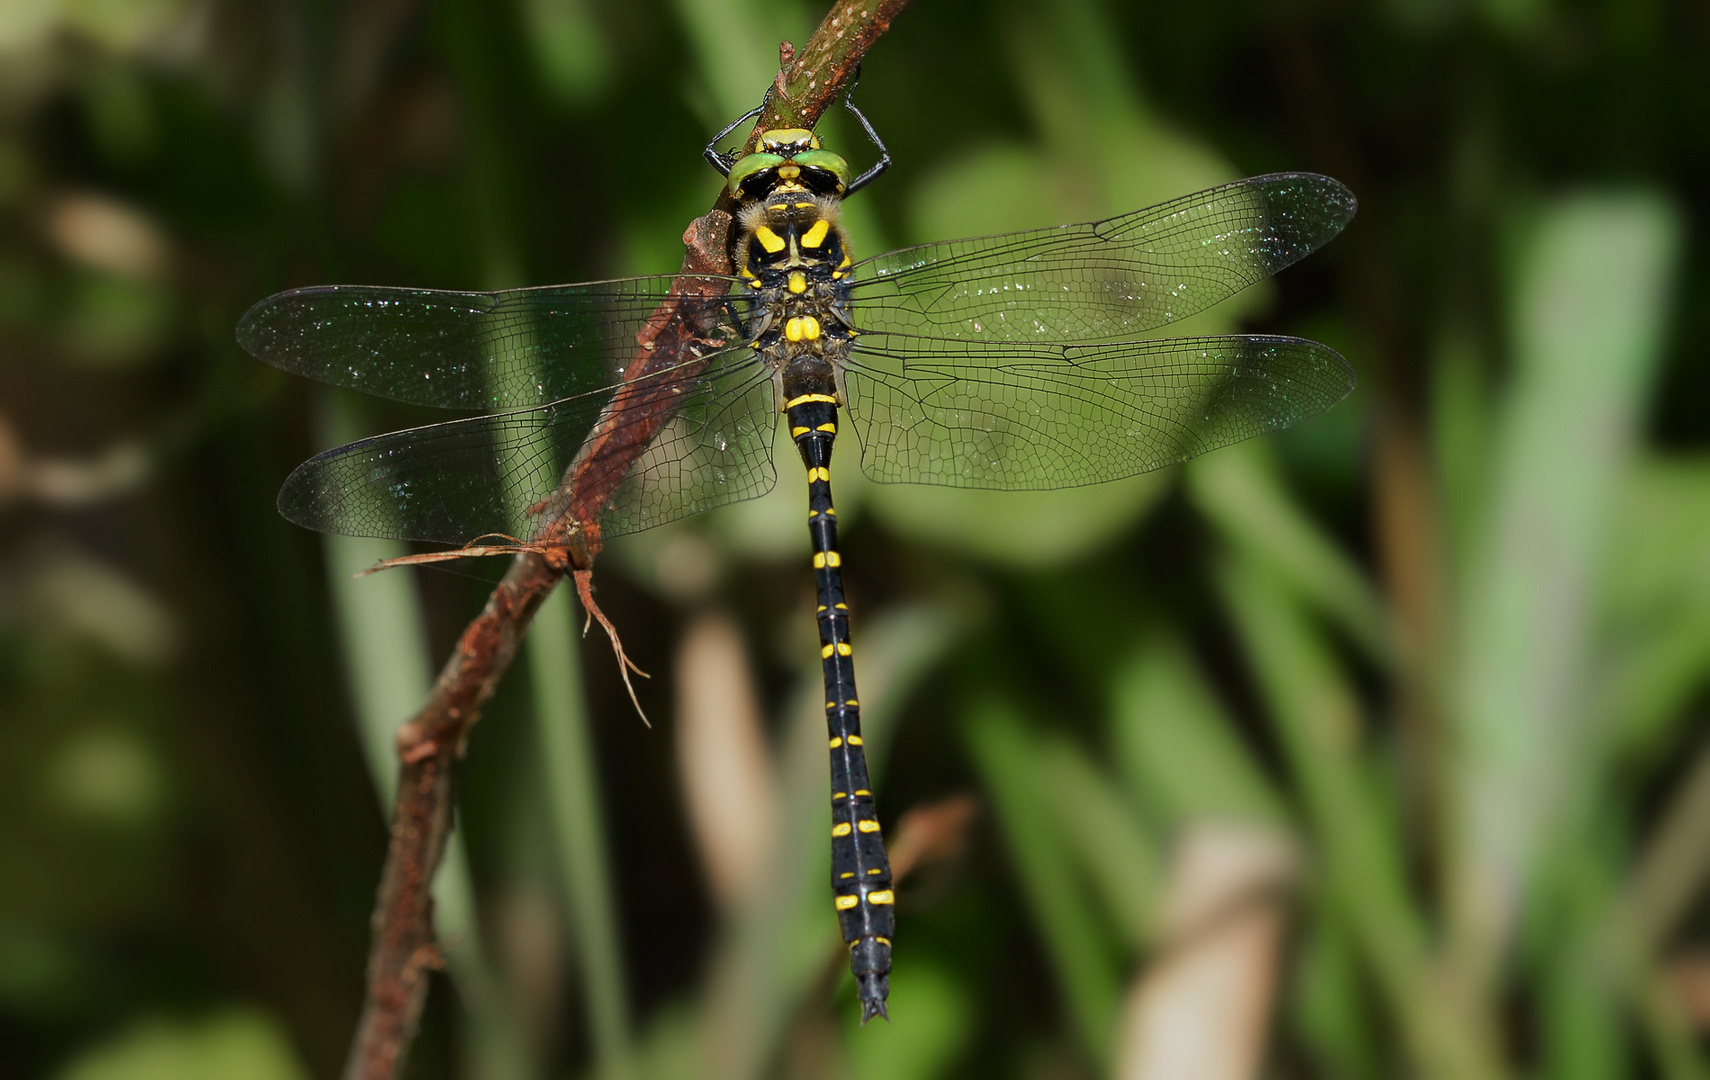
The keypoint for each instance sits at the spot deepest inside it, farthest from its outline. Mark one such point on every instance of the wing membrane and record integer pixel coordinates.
(984, 414)
(456, 481)
(1103, 279)
(465, 350)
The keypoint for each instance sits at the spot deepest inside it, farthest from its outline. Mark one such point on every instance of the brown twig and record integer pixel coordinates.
(430, 745)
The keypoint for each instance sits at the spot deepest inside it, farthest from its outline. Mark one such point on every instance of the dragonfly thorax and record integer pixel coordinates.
(794, 256)
(793, 242)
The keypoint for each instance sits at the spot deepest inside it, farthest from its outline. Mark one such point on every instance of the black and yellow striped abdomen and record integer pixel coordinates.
(793, 256)
(860, 872)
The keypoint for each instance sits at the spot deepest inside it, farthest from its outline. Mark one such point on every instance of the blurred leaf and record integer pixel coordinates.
(736, 45)
(1087, 969)
(113, 321)
(1109, 149)
(1516, 17)
(1660, 563)
(23, 23)
(1668, 880)
(1329, 1003)
(1461, 431)
(669, 1046)
(1656, 897)
(119, 114)
(1573, 953)
(1238, 488)
(234, 1043)
(571, 779)
(16, 169)
(1118, 857)
(1175, 743)
(121, 24)
(570, 48)
(1656, 605)
(23, 291)
(106, 776)
(1317, 717)
(47, 979)
(1591, 295)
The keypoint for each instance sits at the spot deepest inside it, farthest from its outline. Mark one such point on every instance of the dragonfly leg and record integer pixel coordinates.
(878, 168)
(723, 161)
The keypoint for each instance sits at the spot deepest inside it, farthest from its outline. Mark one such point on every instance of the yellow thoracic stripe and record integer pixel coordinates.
(769, 240)
(806, 398)
(816, 235)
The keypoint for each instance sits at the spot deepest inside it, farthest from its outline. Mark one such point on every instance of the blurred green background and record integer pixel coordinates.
(1372, 749)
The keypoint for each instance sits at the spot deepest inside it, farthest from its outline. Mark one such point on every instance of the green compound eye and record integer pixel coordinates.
(825, 161)
(750, 166)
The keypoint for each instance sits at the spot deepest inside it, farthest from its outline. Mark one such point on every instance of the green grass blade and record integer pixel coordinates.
(571, 777)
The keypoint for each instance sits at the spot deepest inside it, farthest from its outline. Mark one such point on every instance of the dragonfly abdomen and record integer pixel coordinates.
(860, 871)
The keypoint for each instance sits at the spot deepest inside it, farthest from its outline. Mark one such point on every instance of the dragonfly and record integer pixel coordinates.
(1009, 362)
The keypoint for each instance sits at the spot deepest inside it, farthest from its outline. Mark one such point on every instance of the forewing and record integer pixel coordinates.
(1102, 279)
(467, 350)
(1019, 416)
(457, 481)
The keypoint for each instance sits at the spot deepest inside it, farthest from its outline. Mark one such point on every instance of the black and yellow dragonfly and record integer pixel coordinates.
(1008, 362)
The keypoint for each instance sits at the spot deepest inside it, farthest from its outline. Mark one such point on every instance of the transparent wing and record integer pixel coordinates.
(465, 350)
(1102, 279)
(456, 481)
(985, 414)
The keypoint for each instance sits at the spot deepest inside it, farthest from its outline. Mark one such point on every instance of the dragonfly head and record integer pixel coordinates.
(788, 159)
